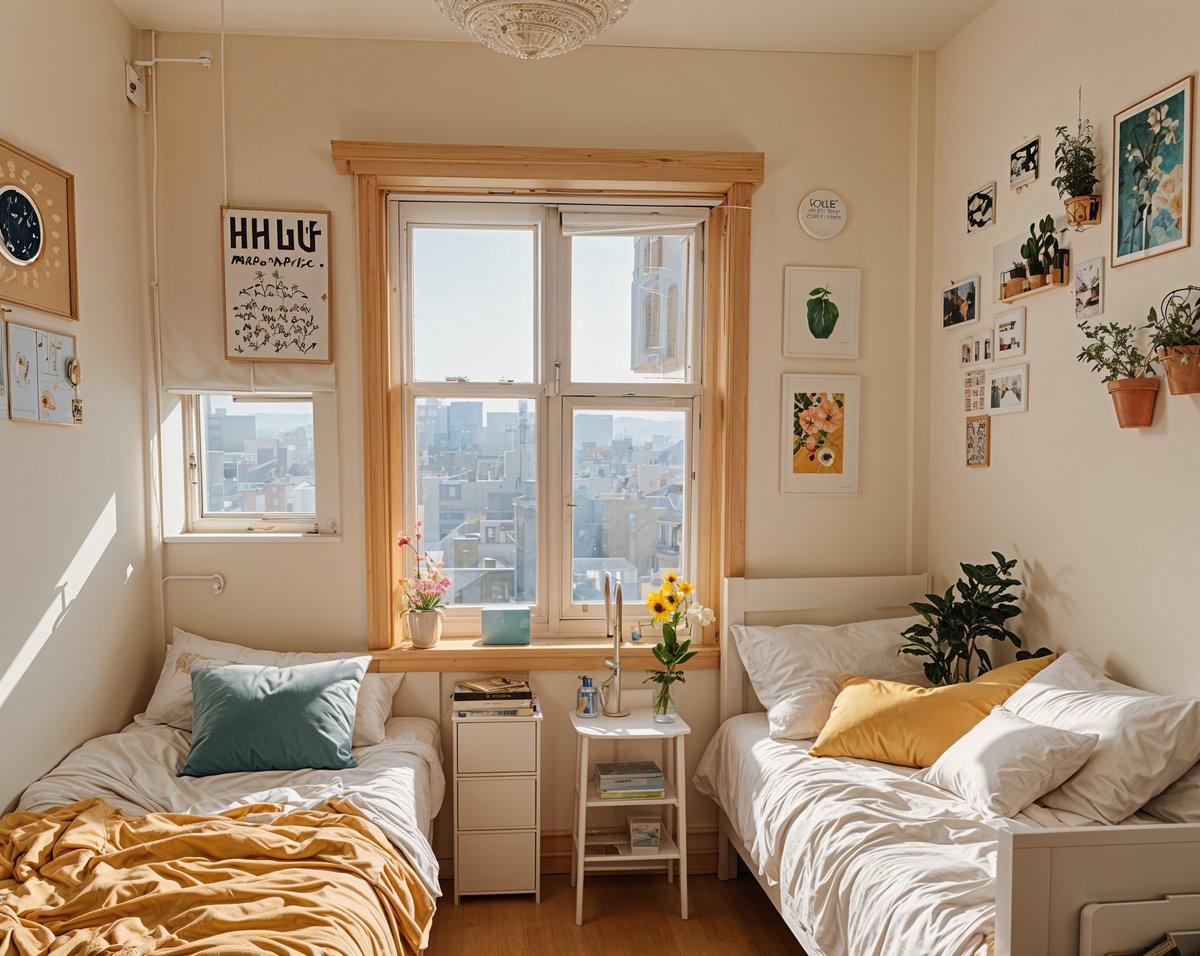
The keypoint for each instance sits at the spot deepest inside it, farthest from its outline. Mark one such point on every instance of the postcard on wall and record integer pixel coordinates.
(1023, 163)
(1089, 289)
(820, 312)
(960, 303)
(976, 349)
(1010, 334)
(981, 208)
(975, 392)
(1152, 175)
(40, 366)
(1008, 389)
(276, 285)
(979, 441)
(820, 434)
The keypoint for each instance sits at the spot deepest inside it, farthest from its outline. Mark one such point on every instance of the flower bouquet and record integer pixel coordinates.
(423, 595)
(670, 606)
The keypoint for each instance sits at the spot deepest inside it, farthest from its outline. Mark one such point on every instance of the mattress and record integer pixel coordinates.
(398, 784)
(869, 862)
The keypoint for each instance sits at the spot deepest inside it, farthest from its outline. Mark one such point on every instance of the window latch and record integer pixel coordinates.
(192, 469)
(556, 379)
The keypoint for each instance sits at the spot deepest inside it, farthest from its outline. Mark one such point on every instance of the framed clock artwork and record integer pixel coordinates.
(37, 234)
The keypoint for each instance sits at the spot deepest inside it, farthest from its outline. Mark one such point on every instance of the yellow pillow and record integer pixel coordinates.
(913, 726)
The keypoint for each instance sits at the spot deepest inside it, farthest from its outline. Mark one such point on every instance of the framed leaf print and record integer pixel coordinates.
(820, 312)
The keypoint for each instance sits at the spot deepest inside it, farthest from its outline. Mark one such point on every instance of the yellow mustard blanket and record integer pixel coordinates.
(86, 879)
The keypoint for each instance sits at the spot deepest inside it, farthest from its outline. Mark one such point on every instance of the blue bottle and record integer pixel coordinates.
(586, 705)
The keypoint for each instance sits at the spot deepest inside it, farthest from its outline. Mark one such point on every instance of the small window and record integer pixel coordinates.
(254, 458)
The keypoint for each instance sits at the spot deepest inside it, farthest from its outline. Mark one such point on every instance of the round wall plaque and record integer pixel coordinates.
(822, 214)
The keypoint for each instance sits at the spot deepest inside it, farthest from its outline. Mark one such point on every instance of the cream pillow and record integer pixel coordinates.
(1180, 802)
(171, 703)
(796, 670)
(1005, 762)
(1146, 740)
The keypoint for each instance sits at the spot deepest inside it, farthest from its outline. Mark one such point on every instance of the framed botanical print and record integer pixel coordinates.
(1152, 174)
(820, 312)
(820, 434)
(979, 441)
(37, 234)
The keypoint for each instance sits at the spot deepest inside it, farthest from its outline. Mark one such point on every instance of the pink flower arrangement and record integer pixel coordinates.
(427, 589)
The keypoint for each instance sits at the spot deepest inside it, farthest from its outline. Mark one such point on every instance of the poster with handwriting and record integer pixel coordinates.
(276, 285)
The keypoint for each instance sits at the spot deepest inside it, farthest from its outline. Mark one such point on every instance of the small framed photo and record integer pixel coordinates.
(1010, 334)
(820, 434)
(820, 312)
(981, 208)
(1023, 163)
(960, 303)
(976, 349)
(975, 392)
(1008, 389)
(979, 441)
(1089, 289)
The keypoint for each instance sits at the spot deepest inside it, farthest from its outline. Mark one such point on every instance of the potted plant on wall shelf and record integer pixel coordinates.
(1112, 350)
(1175, 338)
(1031, 251)
(1075, 160)
(1016, 283)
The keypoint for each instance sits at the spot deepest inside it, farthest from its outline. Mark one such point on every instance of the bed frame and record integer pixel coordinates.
(1046, 878)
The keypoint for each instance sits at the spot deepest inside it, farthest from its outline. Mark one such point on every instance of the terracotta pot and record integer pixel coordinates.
(425, 627)
(1082, 211)
(1133, 399)
(1036, 282)
(1181, 363)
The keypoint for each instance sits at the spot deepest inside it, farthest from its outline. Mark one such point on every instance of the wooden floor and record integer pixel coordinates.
(626, 915)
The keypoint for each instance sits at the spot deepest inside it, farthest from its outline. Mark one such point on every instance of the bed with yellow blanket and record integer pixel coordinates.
(112, 853)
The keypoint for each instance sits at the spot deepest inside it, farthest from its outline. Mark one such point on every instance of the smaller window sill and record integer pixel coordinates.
(241, 537)
(455, 654)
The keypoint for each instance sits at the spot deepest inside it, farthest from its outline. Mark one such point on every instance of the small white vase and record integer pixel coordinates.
(425, 627)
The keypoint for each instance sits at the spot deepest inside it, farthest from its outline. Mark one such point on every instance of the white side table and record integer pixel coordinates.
(639, 725)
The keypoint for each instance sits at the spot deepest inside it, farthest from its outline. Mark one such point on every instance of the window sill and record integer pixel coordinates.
(455, 654)
(239, 537)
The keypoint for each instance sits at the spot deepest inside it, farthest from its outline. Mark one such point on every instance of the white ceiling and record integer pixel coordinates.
(820, 26)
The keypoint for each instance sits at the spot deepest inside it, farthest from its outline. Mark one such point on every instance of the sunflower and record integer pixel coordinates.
(672, 600)
(686, 588)
(671, 579)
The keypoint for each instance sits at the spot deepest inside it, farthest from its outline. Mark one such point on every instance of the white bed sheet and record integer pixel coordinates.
(869, 862)
(398, 784)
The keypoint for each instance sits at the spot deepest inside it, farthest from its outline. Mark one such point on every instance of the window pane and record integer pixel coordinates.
(628, 471)
(474, 303)
(257, 457)
(477, 495)
(629, 308)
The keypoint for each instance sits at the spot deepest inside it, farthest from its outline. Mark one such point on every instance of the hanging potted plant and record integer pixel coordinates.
(1075, 160)
(1112, 350)
(422, 595)
(1175, 338)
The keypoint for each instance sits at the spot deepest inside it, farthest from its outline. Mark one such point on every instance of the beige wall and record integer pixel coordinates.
(75, 644)
(836, 121)
(1105, 520)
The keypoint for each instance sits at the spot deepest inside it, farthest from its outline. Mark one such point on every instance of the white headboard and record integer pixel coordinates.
(803, 601)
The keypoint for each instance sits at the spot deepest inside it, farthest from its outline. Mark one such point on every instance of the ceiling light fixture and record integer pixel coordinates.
(534, 29)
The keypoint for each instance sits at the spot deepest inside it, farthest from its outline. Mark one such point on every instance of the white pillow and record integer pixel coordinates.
(1146, 740)
(797, 669)
(171, 703)
(1180, 802)
(1005, 762)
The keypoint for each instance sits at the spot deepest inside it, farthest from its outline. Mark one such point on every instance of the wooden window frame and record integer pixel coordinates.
(380, 170)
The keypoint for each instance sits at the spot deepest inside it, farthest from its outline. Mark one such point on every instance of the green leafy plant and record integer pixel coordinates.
(1112, 350)
(1075, 160)
(822, 314)
(977, 607)
(1018, 268)
(1178, 322)
(1040, 249)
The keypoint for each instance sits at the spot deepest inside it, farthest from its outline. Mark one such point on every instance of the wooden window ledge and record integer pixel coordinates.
(454, 654)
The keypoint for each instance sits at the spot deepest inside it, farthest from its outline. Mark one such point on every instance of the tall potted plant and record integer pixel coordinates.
(671, 605)
(1075, 160)
(1175, 338)
(422, 595)
(1112, 351)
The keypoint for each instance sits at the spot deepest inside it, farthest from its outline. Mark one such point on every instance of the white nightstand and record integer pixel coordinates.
(497, 805)
(639, 725)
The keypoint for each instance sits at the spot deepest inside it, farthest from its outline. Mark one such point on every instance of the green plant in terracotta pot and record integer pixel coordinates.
(1175, 339)
(1112, 350)
(1075, 160)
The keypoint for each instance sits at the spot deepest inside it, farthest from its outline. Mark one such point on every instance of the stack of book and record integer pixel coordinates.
(494, 697)
(636, 780)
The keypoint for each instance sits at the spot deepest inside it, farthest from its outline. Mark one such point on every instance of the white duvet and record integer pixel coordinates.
(869, 862)
(398, 784)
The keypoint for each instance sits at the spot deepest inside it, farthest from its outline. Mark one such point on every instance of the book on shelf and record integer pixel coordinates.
(504, 703)
(499, 710)
(629, 776)
(633, 794)
(491, 687)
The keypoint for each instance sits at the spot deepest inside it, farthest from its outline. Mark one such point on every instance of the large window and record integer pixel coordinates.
(550, 370)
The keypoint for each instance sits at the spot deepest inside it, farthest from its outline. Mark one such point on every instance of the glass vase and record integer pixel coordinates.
(663, 705)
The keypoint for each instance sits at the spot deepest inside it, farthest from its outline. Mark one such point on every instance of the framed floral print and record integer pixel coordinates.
(1152, 175)
(820, 434)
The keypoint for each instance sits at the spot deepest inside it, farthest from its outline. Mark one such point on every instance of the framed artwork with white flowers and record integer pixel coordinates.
(819, 453)
(1152, 174)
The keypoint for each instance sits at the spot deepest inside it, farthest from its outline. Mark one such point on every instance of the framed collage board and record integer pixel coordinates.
(42, 376)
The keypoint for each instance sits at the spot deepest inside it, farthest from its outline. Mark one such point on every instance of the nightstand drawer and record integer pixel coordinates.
(496, 862)
(497, 803)
(497, 747)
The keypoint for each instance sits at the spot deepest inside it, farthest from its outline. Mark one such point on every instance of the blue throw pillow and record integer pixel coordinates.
(248, 717)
